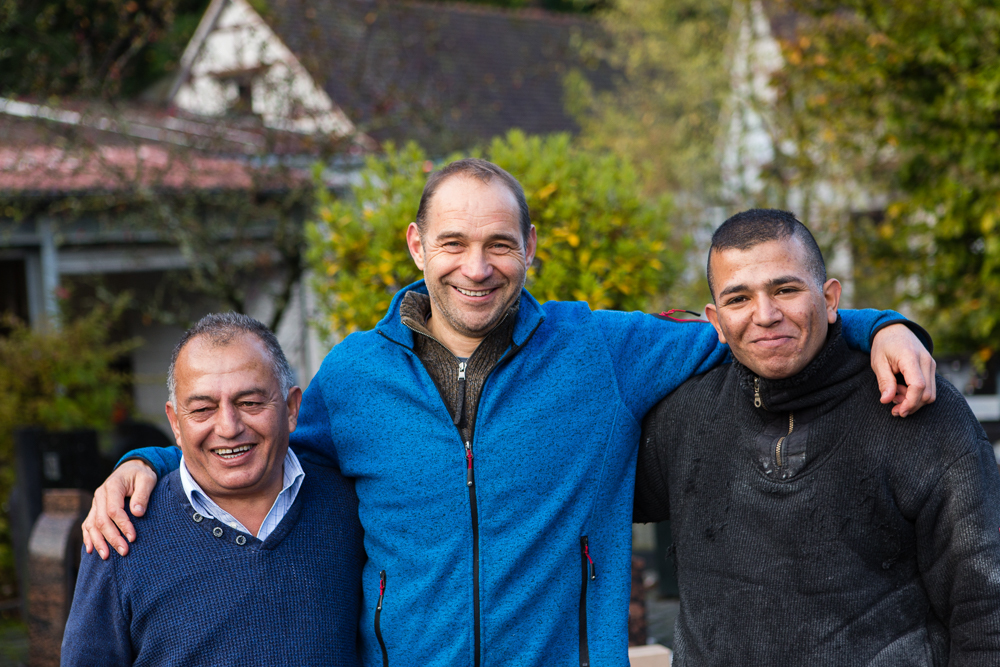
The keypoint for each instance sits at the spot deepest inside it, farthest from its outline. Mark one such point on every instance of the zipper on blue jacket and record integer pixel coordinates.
(469, 482)
(589, 574)
(460, 412)
(473, 506)
(378, 615)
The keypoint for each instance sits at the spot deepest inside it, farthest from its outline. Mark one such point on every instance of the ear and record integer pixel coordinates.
(415, 245)
(294, 402)
(174, 424)
(532, 244)
(831, 294)
(713, 316)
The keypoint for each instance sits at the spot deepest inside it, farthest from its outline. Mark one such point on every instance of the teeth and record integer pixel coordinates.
(234, 452)
(467, 292)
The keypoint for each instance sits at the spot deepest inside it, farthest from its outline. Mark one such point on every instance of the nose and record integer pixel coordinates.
(766, 312)
(476, 265)
(229, 423)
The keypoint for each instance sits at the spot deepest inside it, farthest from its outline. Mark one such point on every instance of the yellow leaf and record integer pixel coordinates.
(574, 240)
(988, 223)
(547, 191)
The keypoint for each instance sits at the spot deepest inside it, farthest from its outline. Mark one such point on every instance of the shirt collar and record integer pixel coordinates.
(292, 475)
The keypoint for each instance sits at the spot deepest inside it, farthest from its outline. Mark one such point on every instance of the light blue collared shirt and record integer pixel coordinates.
(292, 474)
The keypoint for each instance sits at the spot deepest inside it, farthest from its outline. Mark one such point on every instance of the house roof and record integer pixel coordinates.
(447, 75)
(80, 148)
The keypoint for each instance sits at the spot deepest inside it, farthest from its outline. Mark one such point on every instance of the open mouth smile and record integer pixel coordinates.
(230, 453)
(469, 292)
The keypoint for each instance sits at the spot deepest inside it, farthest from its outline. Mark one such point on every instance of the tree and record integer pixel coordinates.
(95, 48)
(673, 83)
(599, 239)
(60, 379)
(912, 90)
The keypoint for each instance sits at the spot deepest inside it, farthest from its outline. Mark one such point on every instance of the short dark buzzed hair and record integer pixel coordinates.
(760, 225)
(485, 172)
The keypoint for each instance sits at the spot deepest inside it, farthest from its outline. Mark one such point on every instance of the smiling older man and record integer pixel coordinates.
(247, 557)
(811, 528)
(493, 440)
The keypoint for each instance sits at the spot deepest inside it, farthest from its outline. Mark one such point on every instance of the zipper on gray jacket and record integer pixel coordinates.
(779, 450)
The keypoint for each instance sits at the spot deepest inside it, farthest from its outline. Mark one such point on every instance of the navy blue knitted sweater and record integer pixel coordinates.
(189, 593)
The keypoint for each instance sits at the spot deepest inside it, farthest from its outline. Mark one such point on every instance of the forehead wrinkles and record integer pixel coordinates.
(465, 196)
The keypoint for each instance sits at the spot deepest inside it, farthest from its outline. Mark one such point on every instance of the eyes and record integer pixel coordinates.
(495, 248)
(783, 291)
(244, 405)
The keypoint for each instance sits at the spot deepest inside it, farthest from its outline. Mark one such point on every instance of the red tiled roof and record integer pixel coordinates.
(47, 170)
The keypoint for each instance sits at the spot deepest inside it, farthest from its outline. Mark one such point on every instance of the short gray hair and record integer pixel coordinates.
(221, 329)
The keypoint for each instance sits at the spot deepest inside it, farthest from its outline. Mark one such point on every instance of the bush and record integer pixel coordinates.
(599, 240)
(59, 379)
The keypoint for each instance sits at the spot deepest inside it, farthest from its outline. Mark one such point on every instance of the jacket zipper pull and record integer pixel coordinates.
(468, 459)
(756, 392)
(460, 412)
(381, 589)
(590, 561)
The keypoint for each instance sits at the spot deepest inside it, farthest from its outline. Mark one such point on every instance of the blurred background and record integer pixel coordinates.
(161, 159)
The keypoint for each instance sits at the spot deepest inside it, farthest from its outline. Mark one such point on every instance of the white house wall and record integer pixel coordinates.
(283, 93)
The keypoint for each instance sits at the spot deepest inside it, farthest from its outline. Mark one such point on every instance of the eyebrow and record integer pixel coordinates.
(239, 395)
(498, 236)
(771, 284)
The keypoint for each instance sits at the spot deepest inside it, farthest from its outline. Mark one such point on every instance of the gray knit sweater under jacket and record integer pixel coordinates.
(817, 529)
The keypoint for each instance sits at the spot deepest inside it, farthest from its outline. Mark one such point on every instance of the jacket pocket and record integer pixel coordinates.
(378, 619)
(589, 573)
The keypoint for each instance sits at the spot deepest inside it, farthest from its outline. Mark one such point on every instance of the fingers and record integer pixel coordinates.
(92, 536)
(916, 386)
(930, 372)
(886, 379)
(88, 542)
(110, 516)
(145, 482)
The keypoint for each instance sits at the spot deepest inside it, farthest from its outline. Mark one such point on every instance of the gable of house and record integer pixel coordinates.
(446, 75)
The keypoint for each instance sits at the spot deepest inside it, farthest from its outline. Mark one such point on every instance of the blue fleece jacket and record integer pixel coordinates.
(555, 445)
(193, 591)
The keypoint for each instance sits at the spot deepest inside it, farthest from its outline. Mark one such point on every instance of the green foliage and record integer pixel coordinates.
(58, 379)
(913, 90)
(599, 239)
(91, 47)
(663, 114)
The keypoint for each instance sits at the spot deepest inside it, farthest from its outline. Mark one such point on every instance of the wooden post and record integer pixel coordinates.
(637, 605)
(54, 561)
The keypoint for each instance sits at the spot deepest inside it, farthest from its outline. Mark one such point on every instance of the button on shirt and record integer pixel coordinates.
(292, 480)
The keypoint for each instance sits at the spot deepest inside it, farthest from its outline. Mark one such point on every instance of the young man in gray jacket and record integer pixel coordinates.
(811, 527)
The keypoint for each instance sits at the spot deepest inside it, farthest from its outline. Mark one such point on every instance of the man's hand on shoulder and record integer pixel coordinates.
(896, 349)
(108, 519)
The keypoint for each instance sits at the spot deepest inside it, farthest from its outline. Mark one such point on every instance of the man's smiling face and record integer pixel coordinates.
(473, 256)
(770, 308)
(230, 420)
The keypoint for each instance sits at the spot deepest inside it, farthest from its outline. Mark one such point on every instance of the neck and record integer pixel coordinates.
(251, 509)
(457, 344)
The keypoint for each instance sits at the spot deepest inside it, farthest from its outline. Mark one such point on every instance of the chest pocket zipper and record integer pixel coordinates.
(378, 618)
(589, 574)
(779, 450)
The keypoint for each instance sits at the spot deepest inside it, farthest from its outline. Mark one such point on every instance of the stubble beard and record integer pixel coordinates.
(455, 321)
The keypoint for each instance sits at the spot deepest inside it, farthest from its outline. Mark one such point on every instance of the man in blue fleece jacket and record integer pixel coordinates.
(493, 441)
(248, 557)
